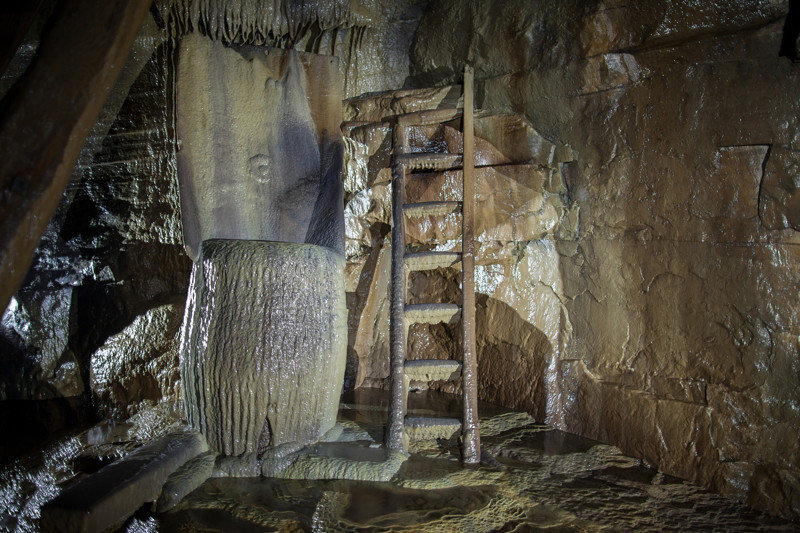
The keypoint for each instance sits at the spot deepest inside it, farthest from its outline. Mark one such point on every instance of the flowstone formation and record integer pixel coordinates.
(263, 344)
(263, 348)
(259, 144)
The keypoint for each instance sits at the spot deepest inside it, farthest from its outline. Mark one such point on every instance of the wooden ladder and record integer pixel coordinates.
(401, 427)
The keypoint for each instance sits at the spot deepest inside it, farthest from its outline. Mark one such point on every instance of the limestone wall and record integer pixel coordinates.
(680, 287)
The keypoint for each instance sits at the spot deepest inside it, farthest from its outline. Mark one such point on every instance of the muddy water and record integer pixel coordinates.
(549, 481)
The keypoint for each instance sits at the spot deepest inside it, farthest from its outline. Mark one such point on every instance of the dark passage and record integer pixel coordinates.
(791, 32)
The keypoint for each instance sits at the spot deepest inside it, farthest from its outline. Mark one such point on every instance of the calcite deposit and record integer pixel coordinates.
(263, 344)
(259, 142)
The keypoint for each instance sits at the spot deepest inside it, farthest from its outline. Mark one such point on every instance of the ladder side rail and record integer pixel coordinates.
(395, 431)
(471, 431)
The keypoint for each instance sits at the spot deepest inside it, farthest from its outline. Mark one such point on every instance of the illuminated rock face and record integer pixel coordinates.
(263, 344)
(674, 302)
(522, 206)
(259, 166)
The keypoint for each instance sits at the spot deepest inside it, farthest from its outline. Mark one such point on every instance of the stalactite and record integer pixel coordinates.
(260, 23)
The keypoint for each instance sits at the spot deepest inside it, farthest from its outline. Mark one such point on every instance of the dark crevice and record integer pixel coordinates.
(761, 185)
(791, 32)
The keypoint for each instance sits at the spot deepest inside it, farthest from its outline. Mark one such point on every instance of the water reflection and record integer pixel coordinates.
(550, 481)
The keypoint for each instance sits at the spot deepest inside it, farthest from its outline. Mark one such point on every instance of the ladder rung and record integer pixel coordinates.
(423, 209)
(432, 313)
(423, 427)
(432, 369)
(428, 117)
(428, 161)
(348, 127)
(431, 260)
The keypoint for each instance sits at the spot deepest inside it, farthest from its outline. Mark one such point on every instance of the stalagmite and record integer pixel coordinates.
(263, 348)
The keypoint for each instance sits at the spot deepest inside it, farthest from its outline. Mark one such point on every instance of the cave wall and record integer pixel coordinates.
(680, 286)
(110, 268)
(673, 278)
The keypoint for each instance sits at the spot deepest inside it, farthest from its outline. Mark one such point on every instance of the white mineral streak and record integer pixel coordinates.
(264, 344)
(255, 140)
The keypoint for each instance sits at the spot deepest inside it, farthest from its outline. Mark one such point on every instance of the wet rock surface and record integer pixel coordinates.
(110, 259)
(263, 344)
(646, 280)
(657, 261)
(548, 480)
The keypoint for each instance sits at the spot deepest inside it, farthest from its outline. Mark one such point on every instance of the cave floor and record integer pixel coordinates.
(549, 481)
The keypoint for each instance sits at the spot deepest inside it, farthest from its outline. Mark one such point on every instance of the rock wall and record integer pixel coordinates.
(521, 206)
(263, 347)
(679, 289)
(110, 266)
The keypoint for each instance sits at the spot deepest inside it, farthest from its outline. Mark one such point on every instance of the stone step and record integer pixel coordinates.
(423, 427)
(106, 498)
(428, 117)
(432, 370)
(432, 313)
(428, 161)
(423, 209)
(431, 260)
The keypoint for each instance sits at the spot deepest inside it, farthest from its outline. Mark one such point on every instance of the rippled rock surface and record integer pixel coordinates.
(264, 344)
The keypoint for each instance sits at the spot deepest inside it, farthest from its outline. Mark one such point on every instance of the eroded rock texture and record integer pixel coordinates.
(110, 264)
(264, 344)
(677, 296)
